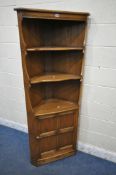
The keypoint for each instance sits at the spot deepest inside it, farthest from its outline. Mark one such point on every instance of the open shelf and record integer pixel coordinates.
(43, 35)
(35, 49)
(53, 106)
(53, 77)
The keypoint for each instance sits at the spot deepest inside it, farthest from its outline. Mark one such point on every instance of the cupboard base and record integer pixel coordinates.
(56, 156)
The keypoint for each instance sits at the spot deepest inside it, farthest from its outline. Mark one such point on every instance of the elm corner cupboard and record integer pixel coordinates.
(52, 47)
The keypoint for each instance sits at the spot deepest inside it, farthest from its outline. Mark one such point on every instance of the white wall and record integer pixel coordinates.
(98, 109)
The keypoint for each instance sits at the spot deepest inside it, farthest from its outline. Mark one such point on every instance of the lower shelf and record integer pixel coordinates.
(54, 106)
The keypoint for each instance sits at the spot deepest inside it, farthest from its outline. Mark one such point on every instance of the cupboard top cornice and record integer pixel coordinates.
(52, 14)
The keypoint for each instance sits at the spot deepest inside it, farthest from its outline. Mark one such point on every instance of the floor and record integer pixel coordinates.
(14, 159)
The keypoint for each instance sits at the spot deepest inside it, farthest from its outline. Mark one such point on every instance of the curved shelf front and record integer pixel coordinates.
(36, 49)
(54, 77)
(54, 106)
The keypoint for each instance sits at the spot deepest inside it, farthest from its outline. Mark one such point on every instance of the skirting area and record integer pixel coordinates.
(14, 159)
(105, 154)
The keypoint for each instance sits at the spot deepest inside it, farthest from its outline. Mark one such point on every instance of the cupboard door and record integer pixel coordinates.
(56, 135)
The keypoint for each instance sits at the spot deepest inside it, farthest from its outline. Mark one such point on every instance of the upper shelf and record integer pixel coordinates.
(35, 49)
(53, 77)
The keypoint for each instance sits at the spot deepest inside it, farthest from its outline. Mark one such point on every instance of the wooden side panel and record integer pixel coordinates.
(36, 94)
(34, 149)
(35, 64)
(32, 31)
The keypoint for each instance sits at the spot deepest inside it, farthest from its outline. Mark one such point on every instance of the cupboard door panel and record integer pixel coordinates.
(65, 139)
(66, 120)
(48, 143)
(48, 124)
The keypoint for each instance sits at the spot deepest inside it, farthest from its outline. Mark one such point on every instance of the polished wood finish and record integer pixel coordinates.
(53, 77)
(53, 106)
(53, 14)
(35, 49)
(60, 34)
(51, 11)
(52, 47)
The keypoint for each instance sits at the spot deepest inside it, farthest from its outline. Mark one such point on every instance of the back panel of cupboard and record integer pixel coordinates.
(52, 45)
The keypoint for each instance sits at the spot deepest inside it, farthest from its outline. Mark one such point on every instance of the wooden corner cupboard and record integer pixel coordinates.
(52, 47)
